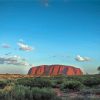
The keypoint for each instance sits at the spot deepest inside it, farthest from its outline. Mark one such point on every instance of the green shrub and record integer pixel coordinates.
(87, 80)
(26, 93)
(72, 85)
(86, 91)
(91, 81)
(37, 82)
(42, 82)
(57, 83)
(20, 93)
(25, 82)
(1, 95)
(43, 94)
(3, 84)
(76, 78)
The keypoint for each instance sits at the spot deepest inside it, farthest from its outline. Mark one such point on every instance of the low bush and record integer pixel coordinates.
(72, 85)
(26, 93)
(25, 82)
(3, 84)
(91, 81)
(37, 82)
(44, 94)
(57, 83)
(86, 91)
(42, 82)
(76, 78)
(20, 93)
(2, 95)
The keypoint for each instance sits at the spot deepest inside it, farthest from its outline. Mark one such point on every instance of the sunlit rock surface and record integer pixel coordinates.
(54, 70)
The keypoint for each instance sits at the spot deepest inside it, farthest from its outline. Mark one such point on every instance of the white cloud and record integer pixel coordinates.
(24, 47)
(4, 45)
(82, 59)
(13, 60)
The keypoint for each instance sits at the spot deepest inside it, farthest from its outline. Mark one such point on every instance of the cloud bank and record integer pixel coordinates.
(14, 60)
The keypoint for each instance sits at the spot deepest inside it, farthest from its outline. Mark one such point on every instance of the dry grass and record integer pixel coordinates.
(14, 76)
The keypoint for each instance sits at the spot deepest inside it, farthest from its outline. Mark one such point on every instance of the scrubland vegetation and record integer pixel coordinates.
(86, 87)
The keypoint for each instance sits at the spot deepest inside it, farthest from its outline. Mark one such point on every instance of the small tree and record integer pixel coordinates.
(98, 69)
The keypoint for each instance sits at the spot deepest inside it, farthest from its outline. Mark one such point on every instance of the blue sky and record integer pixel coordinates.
(57, 31)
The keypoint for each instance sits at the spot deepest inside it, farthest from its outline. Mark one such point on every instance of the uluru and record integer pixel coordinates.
(54, 70)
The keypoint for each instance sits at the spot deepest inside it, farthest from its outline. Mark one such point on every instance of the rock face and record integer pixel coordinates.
(54, 70)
